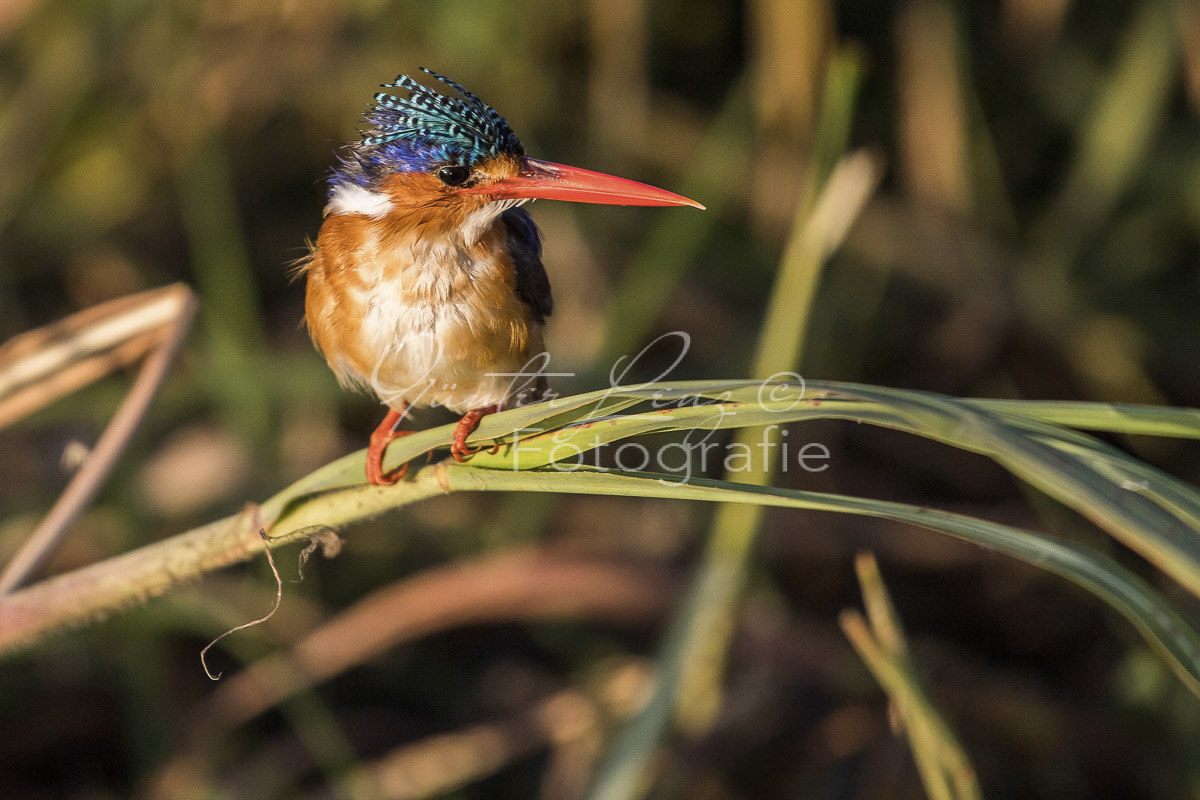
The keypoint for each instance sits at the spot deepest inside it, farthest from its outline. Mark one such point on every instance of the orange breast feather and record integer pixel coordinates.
(403, 307)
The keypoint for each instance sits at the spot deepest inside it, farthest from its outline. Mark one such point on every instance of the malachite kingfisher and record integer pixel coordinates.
(426, 285)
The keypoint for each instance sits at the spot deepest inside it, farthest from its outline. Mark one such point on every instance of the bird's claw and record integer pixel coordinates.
(384, 435)
(462, 452)
(466, 426)
(377, 477)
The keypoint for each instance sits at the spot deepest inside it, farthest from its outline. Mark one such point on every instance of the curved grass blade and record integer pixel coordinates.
(1165, 630)
(1160, 625)
(1133, 598)
(1144, 508)
(1182, 423)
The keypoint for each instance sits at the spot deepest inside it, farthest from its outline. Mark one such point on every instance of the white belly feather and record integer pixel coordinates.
(415, 366)
(410, 312)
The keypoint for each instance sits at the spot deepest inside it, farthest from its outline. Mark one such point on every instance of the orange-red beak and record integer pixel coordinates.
(545, 179)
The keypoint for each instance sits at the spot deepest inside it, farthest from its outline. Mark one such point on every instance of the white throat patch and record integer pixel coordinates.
(477, 223)
(350, 198)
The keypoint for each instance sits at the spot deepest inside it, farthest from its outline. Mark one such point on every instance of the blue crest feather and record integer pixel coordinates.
(423, 130)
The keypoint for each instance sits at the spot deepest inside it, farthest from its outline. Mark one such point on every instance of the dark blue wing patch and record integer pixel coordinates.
(525, 245)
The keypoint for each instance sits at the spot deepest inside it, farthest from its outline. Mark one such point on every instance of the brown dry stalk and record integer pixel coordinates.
(91, 592)
(522, 584)
(107, 586)
(442, 763)
(37, 365)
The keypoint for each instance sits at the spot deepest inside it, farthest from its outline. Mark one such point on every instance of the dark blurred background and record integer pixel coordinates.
(1037, 235)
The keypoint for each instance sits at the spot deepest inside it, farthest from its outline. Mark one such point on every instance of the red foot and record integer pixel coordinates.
(467, 426)
(384, 435)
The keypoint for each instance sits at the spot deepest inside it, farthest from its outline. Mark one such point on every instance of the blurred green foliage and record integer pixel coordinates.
(1037, 236)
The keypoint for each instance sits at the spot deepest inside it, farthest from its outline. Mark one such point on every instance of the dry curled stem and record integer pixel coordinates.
(278, 600)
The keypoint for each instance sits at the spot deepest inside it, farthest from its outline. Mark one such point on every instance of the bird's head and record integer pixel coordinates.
(456, 154)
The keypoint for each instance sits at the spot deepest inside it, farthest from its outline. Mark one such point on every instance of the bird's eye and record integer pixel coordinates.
(454, 175)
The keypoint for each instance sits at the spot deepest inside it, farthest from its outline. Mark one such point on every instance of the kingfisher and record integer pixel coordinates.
(425, 285)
